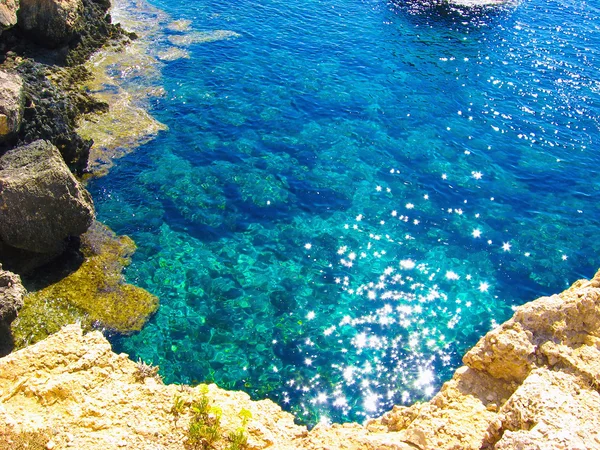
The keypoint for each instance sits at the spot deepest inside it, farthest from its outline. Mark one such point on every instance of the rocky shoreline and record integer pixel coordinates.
(531, 383)
(49, 239)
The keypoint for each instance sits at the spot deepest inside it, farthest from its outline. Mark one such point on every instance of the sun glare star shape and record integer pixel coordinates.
(483, 287)
(506, 247)
(476, 233)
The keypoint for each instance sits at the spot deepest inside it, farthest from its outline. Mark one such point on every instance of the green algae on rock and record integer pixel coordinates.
(127, 124)
(95, 294)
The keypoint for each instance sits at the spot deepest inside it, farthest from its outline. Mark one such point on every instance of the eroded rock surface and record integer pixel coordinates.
(41, 203)
(82, 394)
(12, 98)
(51, 23)
(11, 301)
(532, 383)
(11, 295)
(8, 14)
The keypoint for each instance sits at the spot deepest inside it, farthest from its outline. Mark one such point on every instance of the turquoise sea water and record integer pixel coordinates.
(350, 194)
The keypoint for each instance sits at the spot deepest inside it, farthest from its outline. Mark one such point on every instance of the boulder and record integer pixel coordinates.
(11, 104)
(11, 301)
(11, 295)
(41, 202)
(51, 23)
(8, 14)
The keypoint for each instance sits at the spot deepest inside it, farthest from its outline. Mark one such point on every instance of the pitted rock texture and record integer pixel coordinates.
(91, 398)
(51, 23)
(12, 101)
(532, 383)
(11, 295)
(41, 203)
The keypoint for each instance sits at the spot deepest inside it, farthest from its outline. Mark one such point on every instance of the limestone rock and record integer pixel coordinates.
(51, 23)
(530, 383)
(551, 410)
(8, 14)
(11, 295)
(12, 99)
(557, 330)
(81, 393)
(71, 388)
(41, 203)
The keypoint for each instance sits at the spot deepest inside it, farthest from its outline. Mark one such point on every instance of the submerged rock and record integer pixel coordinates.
(41, 202)
(480, 3)
(12, 99)
(91, 292)
(51, 23)
(196, 37)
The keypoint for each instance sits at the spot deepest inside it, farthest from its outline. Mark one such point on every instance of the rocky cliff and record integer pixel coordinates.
(531, 383)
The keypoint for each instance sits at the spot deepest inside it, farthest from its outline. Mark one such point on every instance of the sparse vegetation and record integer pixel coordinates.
(205, 431)
(23, 440)
(238, 439)
(178, 408)
(144, 371)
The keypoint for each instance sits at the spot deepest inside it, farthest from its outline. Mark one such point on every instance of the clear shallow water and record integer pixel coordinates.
(352, 193)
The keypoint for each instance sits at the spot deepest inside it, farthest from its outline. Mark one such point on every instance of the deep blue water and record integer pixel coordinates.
(351, 193)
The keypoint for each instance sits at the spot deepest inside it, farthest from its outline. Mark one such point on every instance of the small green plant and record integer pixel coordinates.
(205, 430)
(177, 408)
(205, 424)
(245, 415)
(238, 439)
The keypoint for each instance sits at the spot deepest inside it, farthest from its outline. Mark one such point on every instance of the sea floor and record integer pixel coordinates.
(350, 194)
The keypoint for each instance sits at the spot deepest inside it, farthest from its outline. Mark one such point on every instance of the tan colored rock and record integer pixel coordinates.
(75, 385)
(463, 415)
(12, 98)
(561, 329)
(72, 390)
(514, 374)
(551, 410)
(8, 14)
(51, 23)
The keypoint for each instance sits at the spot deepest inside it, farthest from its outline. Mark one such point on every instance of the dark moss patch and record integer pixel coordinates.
(53, 102)
(97, 30)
